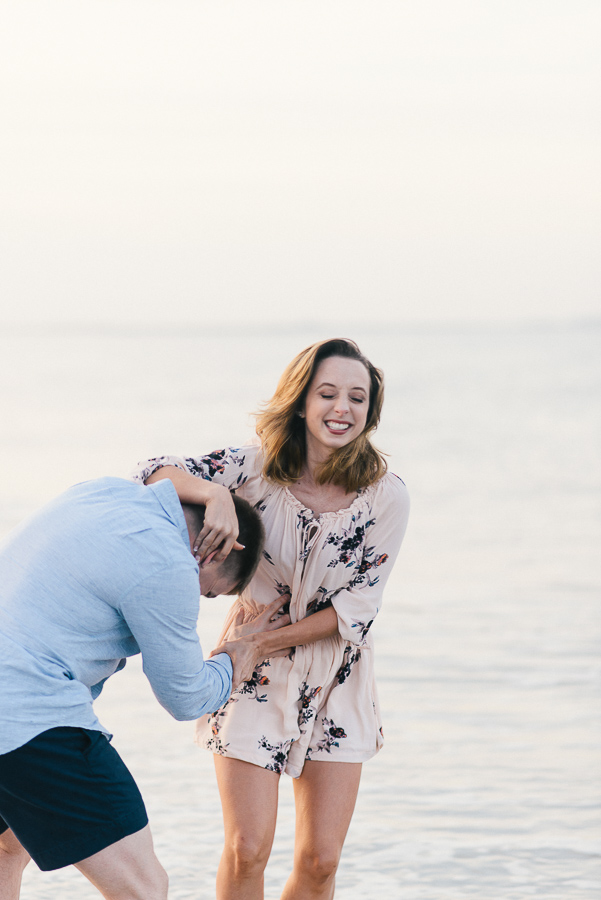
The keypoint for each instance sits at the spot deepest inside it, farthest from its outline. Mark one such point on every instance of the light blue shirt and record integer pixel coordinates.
(101, 573)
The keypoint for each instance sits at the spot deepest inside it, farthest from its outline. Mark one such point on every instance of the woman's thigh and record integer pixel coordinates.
(325, 796)
(249, 800)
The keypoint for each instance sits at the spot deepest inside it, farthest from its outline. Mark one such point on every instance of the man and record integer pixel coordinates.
(103, 572)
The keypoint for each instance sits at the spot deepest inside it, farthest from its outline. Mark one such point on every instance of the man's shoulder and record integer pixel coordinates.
(105, 485)
(118, 507)
(111, 488)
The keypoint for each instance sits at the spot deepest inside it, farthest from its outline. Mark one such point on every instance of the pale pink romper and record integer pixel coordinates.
(321, 702)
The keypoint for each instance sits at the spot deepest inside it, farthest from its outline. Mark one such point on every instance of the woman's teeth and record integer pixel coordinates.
(338, 426)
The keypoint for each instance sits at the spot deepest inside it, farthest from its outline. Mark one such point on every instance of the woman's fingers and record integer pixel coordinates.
(220, 528)
(207, 550)
(209, 540)
(226, 548)
(269, 618)
(278, 603)
(274, 624)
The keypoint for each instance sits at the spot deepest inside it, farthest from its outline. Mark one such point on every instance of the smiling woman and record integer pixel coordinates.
(285, 438)
(334, 521)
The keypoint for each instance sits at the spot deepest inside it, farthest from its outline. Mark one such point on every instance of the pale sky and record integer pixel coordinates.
(169, 161)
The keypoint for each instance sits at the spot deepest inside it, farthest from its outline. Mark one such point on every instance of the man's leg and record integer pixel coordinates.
(68, 797)
(127, 870)
(13, 859)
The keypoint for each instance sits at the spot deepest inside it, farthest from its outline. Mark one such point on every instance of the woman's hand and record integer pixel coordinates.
(220, 528)
(245, 650)
(252, 618)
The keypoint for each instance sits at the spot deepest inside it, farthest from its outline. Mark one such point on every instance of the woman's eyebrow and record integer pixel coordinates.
(329, 384)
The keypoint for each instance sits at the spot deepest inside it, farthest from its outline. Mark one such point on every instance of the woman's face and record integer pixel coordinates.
(336, 406)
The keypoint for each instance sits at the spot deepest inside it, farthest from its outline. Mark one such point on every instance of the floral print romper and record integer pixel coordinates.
(320, 702)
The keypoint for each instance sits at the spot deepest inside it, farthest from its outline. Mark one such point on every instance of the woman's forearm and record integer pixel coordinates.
(190, 489)
(320, 625)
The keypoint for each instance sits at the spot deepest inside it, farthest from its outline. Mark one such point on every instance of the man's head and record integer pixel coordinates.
(234, 573)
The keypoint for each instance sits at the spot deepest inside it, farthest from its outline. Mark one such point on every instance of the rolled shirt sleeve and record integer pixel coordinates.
(161, 612)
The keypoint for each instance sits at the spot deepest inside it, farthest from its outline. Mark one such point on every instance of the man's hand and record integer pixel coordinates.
(243, 643)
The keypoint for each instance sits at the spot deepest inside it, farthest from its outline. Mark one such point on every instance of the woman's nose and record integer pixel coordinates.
(342, 405)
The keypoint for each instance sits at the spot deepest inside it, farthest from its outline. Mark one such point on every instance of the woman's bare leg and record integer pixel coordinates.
(325, 797)
(249, 799)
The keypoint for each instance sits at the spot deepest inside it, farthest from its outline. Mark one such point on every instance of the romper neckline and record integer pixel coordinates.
(321, 517)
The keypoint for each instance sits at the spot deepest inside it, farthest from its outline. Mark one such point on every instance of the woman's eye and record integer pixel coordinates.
(358, 399)
(327, 396)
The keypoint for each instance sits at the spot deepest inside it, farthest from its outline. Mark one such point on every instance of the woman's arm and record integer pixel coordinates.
(358, 603)
(220, 529)
(194, 478)
(320, 625)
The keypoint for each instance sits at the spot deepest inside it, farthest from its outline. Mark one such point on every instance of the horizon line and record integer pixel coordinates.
(175, 329)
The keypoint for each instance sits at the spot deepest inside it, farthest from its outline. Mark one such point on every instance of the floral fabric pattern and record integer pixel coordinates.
(320, 701)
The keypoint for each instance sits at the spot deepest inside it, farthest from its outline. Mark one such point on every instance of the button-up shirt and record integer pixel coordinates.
(99, 574)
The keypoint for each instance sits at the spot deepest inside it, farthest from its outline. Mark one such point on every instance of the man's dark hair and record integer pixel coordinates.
(240, 564)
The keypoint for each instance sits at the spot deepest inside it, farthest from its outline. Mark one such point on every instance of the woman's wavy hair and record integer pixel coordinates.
(282, 430)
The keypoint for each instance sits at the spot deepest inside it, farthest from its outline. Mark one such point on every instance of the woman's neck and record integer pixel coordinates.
(320, 498)
(313, 464)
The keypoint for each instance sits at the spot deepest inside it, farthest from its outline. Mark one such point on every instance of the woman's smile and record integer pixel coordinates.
(339, 427)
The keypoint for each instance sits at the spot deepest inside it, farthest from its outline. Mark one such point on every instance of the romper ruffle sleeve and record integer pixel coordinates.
(321, 701)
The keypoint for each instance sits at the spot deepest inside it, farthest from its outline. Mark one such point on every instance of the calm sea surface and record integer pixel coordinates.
(488, 644)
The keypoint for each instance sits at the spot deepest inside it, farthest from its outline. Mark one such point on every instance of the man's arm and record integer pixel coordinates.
(161, 613)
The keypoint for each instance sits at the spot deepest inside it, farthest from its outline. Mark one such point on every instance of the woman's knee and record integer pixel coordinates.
(319, 864)
(248, 852)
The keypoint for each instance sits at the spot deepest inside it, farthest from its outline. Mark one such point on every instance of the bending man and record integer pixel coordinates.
(103, 572)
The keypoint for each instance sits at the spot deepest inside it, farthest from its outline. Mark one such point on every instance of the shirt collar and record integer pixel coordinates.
(167, 497)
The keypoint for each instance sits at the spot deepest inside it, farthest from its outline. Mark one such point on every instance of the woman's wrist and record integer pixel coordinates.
(209, 491)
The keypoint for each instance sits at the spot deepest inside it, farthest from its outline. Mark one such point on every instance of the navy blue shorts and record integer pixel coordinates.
(66, 795)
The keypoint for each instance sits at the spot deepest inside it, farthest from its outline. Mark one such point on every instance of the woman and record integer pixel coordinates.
(334, 521)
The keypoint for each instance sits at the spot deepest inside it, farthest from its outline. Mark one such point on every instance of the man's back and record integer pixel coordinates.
(99, 574)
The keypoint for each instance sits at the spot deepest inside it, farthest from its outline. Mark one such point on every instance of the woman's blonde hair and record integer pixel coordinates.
(282, 430)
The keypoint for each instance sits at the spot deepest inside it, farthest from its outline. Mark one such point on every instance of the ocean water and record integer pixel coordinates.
(489, 784)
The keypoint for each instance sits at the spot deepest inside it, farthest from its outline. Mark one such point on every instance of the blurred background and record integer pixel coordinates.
(192, 193)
